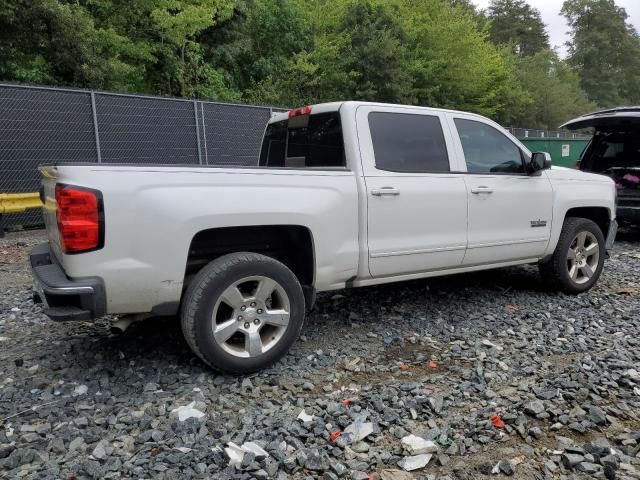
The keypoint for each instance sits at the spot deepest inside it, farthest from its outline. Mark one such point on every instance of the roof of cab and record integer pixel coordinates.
(353, 104)
(335, 106)
(613, 117)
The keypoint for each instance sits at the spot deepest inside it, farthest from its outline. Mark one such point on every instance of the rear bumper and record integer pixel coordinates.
(628, 214)
(65, 298)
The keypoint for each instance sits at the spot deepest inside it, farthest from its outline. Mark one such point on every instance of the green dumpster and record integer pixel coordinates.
(565, 152)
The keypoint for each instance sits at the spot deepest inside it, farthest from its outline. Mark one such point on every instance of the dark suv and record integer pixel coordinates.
(614, 151)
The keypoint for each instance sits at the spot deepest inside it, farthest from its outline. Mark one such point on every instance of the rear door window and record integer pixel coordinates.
(405, 142)
(315, 143)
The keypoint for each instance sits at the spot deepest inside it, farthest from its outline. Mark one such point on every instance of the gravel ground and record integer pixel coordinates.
(476, 376)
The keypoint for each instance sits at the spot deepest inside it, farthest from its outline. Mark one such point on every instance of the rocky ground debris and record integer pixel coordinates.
(476, 376)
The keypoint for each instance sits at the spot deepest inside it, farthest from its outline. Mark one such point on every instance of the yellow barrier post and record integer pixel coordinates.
(17, 203)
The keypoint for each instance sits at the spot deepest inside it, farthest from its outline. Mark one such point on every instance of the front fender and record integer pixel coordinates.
(572, 193)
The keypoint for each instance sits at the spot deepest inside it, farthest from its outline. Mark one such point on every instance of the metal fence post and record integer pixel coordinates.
(195, 116)
(204, 135)
(95, 125)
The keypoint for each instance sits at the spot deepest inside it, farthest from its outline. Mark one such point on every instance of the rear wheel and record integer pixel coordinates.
(242, 312)
(577, 262)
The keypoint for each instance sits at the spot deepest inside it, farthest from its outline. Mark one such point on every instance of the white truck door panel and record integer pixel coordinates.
(509, 211)
(416, 220)
(509, 217)
(421, 228)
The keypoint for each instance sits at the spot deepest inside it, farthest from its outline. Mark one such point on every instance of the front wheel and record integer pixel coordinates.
(242, 312)
(577, 262)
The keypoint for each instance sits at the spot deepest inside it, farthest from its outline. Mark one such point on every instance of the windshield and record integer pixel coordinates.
(315, 142)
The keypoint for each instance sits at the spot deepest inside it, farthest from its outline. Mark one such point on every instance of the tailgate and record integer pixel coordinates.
(48, 194)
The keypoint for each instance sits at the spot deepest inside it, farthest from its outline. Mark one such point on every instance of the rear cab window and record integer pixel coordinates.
(305, 141)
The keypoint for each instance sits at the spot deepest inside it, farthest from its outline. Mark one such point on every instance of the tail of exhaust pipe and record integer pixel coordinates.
(121, 326)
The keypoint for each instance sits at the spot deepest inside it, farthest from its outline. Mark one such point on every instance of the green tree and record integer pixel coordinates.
(140, 45)
(279, 52)
(256, 45)
(468, 7)
(424, 52)
(605, 51)
(372, 53)
(516, 23)
(556, 95)
(353, 49)
(453, 65)
(45, 41)
(179, 23)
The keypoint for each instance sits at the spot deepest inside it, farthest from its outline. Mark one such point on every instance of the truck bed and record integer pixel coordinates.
(153, 212)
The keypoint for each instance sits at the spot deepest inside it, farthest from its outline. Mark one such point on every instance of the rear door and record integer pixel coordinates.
(416, 206)
(510, 212)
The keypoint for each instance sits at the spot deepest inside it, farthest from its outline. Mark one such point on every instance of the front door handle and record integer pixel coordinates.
(481, 189)
(385, 191)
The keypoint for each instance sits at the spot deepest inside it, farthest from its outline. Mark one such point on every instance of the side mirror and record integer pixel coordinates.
(539, 161)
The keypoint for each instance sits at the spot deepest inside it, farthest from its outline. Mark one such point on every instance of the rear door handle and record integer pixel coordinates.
(385, 191)
(481, 189)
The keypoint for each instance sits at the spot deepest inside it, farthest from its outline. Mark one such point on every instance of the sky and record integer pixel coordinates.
(556, 25)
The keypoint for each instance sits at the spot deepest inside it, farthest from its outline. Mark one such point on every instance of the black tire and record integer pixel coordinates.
(206, 289)
(555, 271)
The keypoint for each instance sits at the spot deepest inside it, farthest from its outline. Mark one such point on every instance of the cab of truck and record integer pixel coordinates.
(614, 151)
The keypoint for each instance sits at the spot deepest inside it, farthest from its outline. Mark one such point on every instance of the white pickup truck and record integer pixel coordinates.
(345, 195)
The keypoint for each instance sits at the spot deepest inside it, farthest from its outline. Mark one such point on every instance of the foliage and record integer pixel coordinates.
(555, 88)
(51, 42)
(257, 45)
(454, 66)
(357, 53)
(605, 51)
(441, 53)
(426, 52)
(516, 23)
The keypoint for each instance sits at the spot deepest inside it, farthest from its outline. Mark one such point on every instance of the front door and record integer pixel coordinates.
(510, 212)
(416, 206)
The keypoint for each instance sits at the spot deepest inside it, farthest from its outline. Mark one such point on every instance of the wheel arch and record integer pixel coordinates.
(601, 216)
(293, 245)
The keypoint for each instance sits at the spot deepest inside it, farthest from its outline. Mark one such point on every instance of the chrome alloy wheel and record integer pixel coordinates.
(251, 316)
(583, 257)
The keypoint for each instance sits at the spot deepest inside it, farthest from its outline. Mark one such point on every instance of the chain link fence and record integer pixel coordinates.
(523, 133)
(42, 125)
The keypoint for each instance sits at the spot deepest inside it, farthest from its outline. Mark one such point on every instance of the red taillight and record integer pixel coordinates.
(79, 214)
(296, 112)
